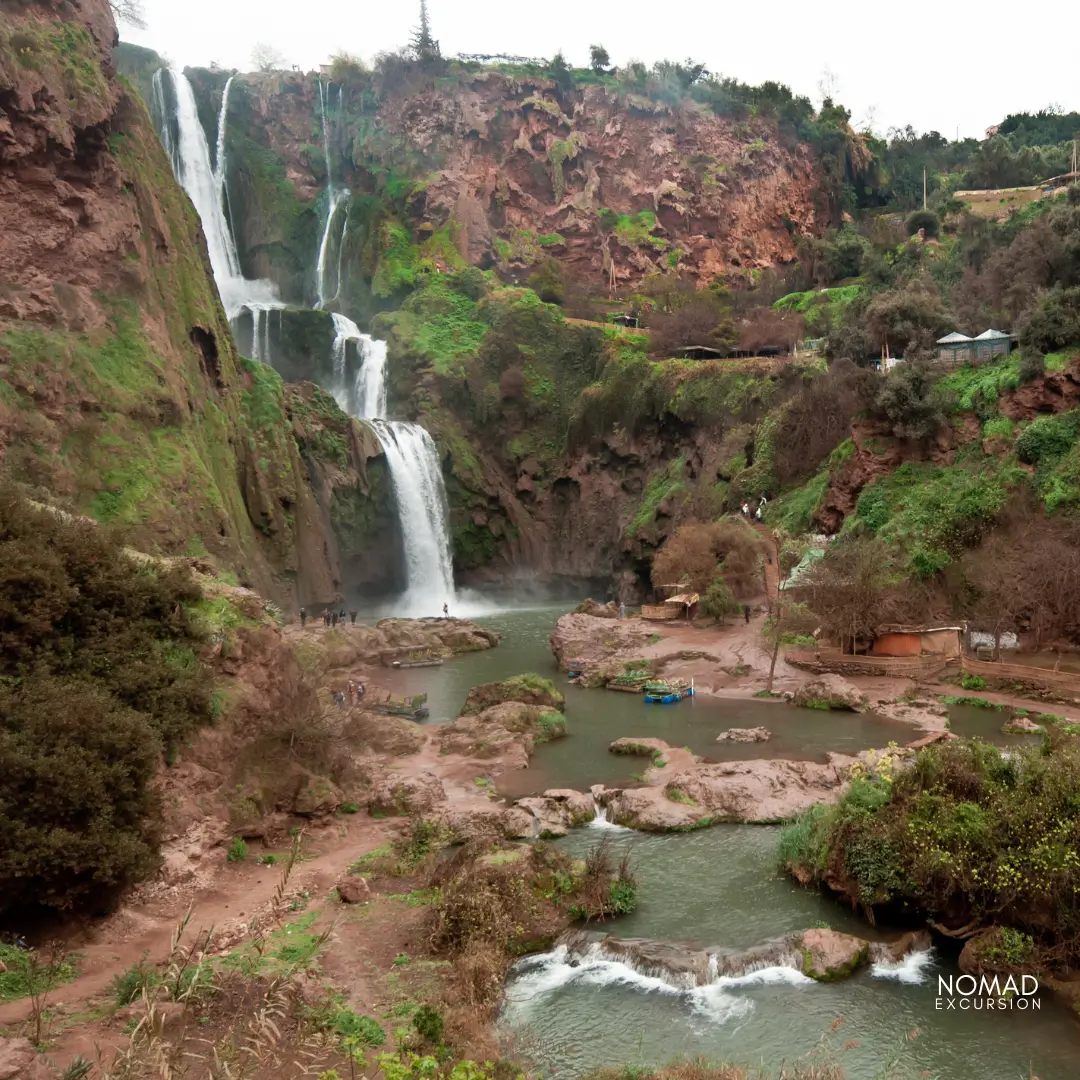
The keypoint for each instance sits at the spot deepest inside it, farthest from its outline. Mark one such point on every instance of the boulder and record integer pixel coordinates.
(585, 637)
(526, 689)
(892, 952)
(829, 955)
(404, 795)
(744, 734)
(308, 794)
(830, 692)
(1021, 725)
(984, 954)
(353, 890)
(386, 734)
(485, 822)
(638, 747)
(557, 811)
(610, 610)
(16, 1057)
(507, 731)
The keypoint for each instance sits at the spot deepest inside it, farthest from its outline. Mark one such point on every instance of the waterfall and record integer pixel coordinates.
(205, 186)
(334, 199)
(161, 114)
(416, 475)
(260, 331)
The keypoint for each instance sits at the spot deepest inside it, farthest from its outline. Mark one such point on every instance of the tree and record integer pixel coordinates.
(560, 72)
(546, 281)
(926, 220)
(700, 554)
(787, 616)
(702, 318)
(848, 589)
(130, 12)
(425, 48)
(911, 403)
(265, 57)
(599, 59)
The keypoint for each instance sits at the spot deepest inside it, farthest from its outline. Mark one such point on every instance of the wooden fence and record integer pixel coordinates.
(839, 663)
(922, 667)
(1060, 681)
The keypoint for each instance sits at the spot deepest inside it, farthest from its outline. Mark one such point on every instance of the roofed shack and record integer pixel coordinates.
(918, 641)
(674, 606)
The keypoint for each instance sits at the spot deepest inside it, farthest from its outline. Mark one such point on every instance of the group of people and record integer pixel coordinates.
(353, 694)
(758, 512)
(331, 618)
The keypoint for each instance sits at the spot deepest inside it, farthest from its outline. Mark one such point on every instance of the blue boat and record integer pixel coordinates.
(667, 693)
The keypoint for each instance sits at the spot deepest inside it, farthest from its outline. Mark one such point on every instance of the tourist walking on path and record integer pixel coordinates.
(352, 616)
(303, 618)
(746, 612)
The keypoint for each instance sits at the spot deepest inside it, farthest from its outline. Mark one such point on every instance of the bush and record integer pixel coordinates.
(911, 402)
(1053, 322)
(1032, 365)
(428, 1023)
(238, 850)
(546, 281)
(130, 984)
(965, 832)
(1047, 438)
(76, 798)
(926, 220)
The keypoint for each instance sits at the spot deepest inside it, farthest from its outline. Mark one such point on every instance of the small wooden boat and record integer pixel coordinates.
(667, 691)
(413, 708)
(431, 661)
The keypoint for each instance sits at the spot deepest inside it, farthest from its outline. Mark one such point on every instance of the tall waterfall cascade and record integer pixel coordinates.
(205, 184)
(411, 454)
(336, 198)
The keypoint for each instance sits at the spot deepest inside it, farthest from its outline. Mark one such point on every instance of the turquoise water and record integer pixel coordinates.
(721, 887)
(597, 717)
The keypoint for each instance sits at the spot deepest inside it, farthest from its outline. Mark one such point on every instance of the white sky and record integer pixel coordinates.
(954, 65)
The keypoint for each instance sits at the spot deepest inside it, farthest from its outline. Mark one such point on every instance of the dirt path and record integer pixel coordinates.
(235, 895)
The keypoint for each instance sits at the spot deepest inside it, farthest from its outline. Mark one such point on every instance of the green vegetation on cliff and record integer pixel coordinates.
(99, 676)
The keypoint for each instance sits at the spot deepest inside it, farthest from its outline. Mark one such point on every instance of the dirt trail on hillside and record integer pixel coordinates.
(237, 894)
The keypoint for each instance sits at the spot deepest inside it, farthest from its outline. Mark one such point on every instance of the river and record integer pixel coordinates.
(721, 887)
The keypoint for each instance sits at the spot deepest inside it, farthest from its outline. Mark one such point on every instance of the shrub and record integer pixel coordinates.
(362, 1029)
(1032, 365)
(238, 850)
(911, 402)
(1053, 322)
(546, 281)
(1047, 438)
(130, 984)
(926, 220)
(972, 682)
(428, 1023)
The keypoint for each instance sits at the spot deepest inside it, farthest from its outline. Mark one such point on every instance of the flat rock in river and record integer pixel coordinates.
(744, 734)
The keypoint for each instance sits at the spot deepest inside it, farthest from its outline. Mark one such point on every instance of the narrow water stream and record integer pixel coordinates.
(721, 887)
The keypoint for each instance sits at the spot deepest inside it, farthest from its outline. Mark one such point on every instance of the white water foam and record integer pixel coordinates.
(335, 199)
(600, 820)
(913, 969)
(720, 999)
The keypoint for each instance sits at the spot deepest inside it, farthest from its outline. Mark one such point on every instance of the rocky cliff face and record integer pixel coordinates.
(496, 170)
(121, 391)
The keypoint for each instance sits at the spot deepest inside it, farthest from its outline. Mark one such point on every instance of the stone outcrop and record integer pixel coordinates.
(404, 795)
(521, 689)
(829, 955)
(738, 734)
(600, 642)
(830, 692)
(353, 889)
(557, 811)
(686, 794)
(121, 390)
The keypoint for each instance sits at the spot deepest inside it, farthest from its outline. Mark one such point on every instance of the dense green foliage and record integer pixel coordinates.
(98, 675)
(967, 831)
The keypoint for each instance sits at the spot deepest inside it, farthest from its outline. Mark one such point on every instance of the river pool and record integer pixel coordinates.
(721, 887)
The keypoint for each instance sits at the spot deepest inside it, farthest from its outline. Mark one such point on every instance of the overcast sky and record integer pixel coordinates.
(951, 66)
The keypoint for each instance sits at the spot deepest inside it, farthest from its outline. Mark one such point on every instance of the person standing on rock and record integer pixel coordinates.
(622, 610)
(341, 617)
(352, 616)
(446, 611)
(303, 618)
(746, 612)
(326, 618)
